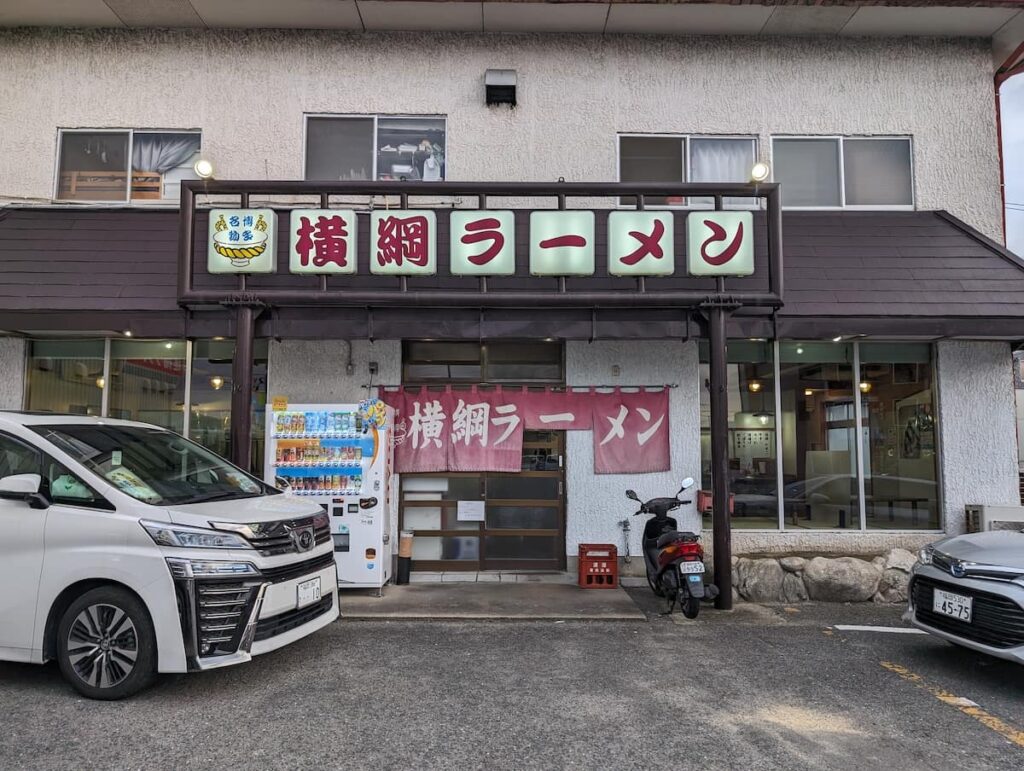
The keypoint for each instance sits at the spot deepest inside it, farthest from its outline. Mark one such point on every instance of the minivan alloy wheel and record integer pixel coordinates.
(103, 645)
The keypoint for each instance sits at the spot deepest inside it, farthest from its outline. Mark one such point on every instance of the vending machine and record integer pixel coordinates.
(341, 456)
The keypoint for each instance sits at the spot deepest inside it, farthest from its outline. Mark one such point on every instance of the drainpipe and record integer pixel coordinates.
(1007, 70)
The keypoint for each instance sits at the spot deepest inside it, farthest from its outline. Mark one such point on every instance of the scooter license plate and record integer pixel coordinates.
(691, 567)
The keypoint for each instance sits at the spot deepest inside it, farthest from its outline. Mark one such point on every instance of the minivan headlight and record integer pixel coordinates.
(167, 534)
(924, 556)
(181, 568)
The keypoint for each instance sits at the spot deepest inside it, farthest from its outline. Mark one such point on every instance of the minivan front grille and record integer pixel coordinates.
(273, 538)
(995, 620)
(292, 619)
(222, 611)
(298, 569)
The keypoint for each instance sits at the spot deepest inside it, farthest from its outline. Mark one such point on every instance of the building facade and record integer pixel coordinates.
(863, 415)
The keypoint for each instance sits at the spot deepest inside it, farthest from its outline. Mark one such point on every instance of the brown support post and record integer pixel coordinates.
(241, 387)
(720, 458)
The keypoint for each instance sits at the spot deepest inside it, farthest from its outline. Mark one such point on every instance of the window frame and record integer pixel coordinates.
(685, 138)
(841, 139)
(375, 117)
(128, 200)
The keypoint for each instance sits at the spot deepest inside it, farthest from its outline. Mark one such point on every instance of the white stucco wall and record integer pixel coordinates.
(313, 371)
(977, 427)
(12, 373)
(248, 91)
(595, 503)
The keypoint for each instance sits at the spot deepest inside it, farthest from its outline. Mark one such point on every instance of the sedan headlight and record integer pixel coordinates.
(167, 534)
(924, 557)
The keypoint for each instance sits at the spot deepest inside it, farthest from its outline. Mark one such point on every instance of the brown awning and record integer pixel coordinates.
(890, 274)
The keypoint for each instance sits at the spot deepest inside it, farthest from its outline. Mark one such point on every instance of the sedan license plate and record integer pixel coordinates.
(308, 592)
(691, 567)
(955, 605)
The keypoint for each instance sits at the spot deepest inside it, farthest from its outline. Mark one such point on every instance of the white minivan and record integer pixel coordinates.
(128, 550)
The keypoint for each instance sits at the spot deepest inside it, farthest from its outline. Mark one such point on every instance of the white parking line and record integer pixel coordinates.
(890, 629)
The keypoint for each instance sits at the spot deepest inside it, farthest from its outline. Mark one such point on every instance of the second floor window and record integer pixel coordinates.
(376, 147)
(124, 165)
(681, 158)
(838, 172)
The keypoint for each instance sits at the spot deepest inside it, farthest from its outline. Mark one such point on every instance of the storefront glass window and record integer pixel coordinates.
(210, 418)
(147, 382)
(65, 376)
(819, 444)
(752, 455)
(900, 475)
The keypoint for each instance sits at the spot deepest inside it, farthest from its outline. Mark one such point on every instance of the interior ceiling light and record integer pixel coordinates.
(203, 169)
(217, 382)
(100, 382)
(760, 172)
(808, 392)
(754, 386)
(865, 388)
(127, 333)
(837, 339)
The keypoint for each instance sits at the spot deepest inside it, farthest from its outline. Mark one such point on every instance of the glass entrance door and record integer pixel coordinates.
(524, 525)
(524, 513)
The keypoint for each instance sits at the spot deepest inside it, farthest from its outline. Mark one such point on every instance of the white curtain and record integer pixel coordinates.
(721, 160)
(162, 152)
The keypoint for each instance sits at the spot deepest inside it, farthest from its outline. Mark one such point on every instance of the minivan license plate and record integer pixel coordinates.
(955, 605)
(309, 592)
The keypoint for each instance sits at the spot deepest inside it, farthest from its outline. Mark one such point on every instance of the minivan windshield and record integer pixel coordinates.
(150, 464)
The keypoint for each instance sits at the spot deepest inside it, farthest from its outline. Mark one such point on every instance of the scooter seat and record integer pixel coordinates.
(669, 537)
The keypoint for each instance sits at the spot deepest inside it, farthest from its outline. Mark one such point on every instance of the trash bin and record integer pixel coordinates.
(404, 557)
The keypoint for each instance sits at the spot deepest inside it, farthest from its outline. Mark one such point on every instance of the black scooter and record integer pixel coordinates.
(674, 559)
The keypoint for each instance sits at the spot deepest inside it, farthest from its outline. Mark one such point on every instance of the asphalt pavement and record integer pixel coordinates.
(760, 687)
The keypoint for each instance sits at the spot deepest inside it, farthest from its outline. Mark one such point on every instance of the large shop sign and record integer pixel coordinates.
(482, 430)
(482, 242)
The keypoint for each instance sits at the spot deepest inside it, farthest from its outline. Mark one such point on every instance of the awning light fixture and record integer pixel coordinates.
(203, 169)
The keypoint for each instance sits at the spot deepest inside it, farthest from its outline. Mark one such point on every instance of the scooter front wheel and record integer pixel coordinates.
(691, 607)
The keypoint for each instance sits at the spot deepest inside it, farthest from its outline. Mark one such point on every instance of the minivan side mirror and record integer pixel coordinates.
(23, 487)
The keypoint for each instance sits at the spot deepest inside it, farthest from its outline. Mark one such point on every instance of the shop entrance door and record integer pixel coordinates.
(523, 525)
(524, 513)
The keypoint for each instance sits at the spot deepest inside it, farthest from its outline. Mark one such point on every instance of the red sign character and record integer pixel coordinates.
(402, 238)
(649, 244)
(554, 243)
(328, 238)
(718, 234)
(486, 229)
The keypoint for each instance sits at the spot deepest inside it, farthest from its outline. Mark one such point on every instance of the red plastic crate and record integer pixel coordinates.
(599, 566)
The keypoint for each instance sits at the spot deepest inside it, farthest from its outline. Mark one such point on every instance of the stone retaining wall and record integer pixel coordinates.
(826, 579)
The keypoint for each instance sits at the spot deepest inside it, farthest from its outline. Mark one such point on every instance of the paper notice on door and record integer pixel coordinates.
(471, 511)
